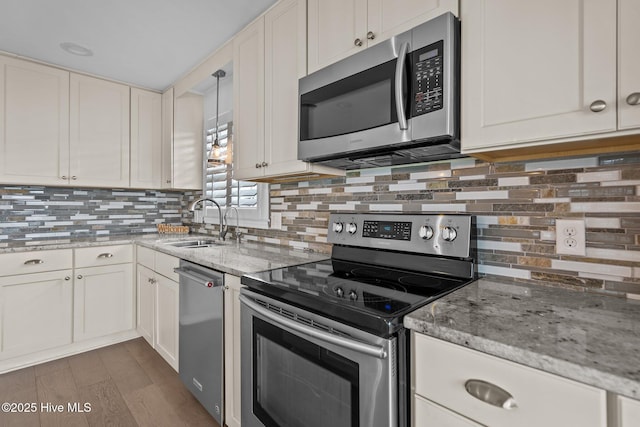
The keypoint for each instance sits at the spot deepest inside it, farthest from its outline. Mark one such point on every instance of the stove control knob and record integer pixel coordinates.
(337, 227)
(353, 296)
(426, 232)
(339, 292)
(352, 228)
(449, 234)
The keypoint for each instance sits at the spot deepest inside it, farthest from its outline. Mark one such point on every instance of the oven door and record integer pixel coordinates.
(299, 369)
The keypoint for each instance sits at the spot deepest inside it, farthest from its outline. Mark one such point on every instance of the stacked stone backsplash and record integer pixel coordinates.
(516, 205)
(29, 213)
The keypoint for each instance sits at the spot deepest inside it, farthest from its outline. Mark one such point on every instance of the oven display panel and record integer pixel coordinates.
(387, 230)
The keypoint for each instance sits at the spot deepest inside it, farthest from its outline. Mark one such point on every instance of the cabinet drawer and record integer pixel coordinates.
(442, 369)
(146, 257)
(103, 255)
(165, 265)
(35, 261)
(427, 413)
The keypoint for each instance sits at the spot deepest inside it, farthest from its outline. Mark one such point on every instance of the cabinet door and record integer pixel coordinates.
(628, 412)
(628, 64)
(285, 46)
(146, 302)
(188, 142)
(387, 18)
(337, 29)
(146, 140)
(167, 139)
(248, 101)
(35, 312)
(34, 123)
(103, 301)
(523, 84)
(99, 132)
(166, 318)
(232, 331)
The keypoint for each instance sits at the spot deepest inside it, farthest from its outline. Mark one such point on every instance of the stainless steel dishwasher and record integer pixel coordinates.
(201, 335)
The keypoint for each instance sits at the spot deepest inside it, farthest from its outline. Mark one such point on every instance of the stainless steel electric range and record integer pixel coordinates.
(323, 342)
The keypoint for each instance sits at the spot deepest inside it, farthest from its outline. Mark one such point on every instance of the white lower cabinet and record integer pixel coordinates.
(55, 303)
(427, 413)
(628, 412)
(232, 331)
(158, 302)
(103, 301)
(36, 312)
(491, 391)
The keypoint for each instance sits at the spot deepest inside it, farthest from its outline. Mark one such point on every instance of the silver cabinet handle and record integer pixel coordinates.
(349, 343)
(258, 165)
(402, 118)
(105, 255)
(67, 278)
(74, 177)
(265, 164)
(490, 393)
(63, 177)
(79, 276)
(33, 262)
(634, 98)
(597, 106)
(153, 281)
(370, 35)
(357, 42)
(168, 181)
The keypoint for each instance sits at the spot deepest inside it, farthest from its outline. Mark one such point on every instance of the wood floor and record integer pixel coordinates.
(126, 384)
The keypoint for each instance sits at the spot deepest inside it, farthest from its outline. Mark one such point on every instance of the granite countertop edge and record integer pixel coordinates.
(228, 257)
(432, 321)
(542, 362)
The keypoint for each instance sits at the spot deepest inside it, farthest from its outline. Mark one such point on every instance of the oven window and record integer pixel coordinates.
(359, 102)
(297, 383)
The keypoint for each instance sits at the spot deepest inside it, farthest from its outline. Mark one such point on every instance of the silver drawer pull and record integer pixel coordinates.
(33, 262)
(105, 255)
(490, 393)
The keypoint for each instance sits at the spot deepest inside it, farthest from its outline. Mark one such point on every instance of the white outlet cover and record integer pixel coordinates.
(563, 235)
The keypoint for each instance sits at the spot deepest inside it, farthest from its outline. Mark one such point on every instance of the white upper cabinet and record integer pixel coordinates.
(167, 139)
(188, 137)
(248, 100)
(99, 132)
(269, 57)
(34, 123)
(339, 28)
(535, 73)
(628, 64)
(146, 139)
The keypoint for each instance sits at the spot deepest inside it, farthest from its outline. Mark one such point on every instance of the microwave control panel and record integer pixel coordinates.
(427, 79)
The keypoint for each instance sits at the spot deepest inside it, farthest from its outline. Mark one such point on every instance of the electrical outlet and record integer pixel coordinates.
(570, 237)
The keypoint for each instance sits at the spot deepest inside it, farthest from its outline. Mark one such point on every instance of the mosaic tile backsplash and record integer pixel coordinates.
(30, 213)
(516, 205)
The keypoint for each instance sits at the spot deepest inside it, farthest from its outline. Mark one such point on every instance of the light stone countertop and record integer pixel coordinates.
(228, 257)
(590, 338)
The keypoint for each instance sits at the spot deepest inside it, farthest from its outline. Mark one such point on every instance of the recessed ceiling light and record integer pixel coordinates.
(76, 49)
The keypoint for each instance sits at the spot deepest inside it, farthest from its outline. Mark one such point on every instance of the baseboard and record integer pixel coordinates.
(48, 355)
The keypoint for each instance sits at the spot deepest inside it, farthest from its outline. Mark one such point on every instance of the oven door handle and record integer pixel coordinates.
(360, 347)
(400, 64)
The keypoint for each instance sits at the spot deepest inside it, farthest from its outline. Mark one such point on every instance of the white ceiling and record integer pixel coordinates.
(148, 43)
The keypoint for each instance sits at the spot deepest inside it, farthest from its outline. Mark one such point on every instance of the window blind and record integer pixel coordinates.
(219, 184)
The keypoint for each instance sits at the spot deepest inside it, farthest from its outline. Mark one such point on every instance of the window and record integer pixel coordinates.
(250, 198)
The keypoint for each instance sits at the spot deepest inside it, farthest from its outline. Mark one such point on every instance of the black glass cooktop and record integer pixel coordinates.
(369, 297)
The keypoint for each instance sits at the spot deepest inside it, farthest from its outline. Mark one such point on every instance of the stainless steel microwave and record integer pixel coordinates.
(396, 102)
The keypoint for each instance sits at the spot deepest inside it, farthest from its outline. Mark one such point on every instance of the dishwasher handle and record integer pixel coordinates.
(206, 281)
(360, 347)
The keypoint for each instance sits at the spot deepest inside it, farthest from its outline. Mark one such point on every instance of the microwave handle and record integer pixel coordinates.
(402, 117)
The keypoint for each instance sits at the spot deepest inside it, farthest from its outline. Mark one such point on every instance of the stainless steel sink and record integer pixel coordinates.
(200, 243)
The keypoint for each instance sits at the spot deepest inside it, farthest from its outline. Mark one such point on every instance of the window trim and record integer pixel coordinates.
(252, 217)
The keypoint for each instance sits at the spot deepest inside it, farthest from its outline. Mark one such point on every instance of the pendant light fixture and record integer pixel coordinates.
(215, 155)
